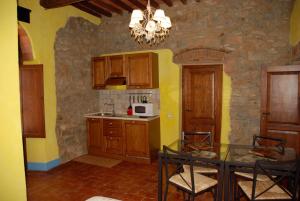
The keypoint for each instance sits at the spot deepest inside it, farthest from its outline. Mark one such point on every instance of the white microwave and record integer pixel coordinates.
(144, 109)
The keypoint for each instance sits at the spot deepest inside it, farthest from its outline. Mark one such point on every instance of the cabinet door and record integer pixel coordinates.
(98, 72)
(136, 138)
(116, 67)
(113, 145)
(32, 100)
(95, 141)
(280, 104)
(142, 69)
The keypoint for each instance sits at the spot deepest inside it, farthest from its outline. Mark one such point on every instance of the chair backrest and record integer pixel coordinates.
(267, 141)
(282, 170)
(172, 158)
(204, 138)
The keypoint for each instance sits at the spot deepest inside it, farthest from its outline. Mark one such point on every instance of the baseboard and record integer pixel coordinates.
(43, 166)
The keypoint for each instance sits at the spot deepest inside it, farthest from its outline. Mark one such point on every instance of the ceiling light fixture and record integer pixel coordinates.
(148, 27)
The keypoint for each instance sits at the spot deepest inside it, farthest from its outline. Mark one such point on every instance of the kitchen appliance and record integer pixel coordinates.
(144, 109)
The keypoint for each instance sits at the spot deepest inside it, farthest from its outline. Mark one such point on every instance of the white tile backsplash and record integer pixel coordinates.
(120, 98)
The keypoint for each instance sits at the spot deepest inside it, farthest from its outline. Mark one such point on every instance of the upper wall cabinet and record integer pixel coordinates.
(116, 66)
(98, 72)
(142, 70)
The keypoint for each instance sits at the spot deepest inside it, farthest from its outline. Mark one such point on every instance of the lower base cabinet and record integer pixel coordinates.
(113, 145)
(131, 140)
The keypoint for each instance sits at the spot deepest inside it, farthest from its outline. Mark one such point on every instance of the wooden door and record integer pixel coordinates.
(142, 70)
(32, 100)
(95, 141)
(116, 66)
(98, 72)
(280, 109)
(136, 138)
(202, 99)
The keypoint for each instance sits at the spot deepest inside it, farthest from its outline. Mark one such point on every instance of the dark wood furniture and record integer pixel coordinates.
(99, 73)
(202, 99)
(32, 100)
(280, 104)
(139, 70)
(116, 66)
(131, 140)
(142, 70)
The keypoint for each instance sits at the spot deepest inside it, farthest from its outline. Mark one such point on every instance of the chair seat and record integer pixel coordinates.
(275, 193)
(201, 169)
(250, 176)
(201, 182)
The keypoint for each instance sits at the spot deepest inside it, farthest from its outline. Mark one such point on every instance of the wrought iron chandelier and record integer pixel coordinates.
(149, 26)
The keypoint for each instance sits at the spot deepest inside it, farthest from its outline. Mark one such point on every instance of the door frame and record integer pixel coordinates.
(218, 107)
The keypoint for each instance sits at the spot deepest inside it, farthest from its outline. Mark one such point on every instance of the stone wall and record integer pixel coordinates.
(256, 32)
(74, 47)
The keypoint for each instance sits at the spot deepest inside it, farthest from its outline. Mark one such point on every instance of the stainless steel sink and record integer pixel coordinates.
(106, 114)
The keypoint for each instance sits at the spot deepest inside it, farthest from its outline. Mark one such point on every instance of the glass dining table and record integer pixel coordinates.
(231, 156)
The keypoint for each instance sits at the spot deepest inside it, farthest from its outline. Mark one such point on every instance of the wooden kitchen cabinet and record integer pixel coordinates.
(131, 140)
(142, 140)
(95, 137)
(113, 136)
(116, 66)
(142, 70)
(136, 134)
(99, 73)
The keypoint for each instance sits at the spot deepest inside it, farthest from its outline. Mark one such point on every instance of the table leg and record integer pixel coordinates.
(227, 196)
(220, 183)
(159, 194)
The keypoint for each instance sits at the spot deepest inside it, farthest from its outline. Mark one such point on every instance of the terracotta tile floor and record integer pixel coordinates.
(76, 181)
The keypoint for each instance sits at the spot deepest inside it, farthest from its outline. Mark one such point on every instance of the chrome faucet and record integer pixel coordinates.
(112, 105)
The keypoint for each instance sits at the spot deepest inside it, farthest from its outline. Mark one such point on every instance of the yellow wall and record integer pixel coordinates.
(295, 24)
(12, 177)
(42, 31)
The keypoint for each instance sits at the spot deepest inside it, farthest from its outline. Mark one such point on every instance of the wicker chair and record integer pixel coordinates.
(273, 189)
(203, 139)
(190, 184)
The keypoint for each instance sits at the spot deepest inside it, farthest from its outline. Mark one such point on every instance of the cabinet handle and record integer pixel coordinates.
(110, 132)
(110, 123)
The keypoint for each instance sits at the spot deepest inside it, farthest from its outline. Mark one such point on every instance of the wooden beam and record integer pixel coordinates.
(138, 4)
(122, 5)
(96, 8)
(57, 3)
(168, 2)
(183, 1)
(107, 6)
(86, 9)
(153, 3)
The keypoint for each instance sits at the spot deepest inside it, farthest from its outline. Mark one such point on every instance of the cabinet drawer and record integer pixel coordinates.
(112, 123)
(112, 132)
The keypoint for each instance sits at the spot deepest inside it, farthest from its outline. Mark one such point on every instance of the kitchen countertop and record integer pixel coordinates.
(119, 116)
